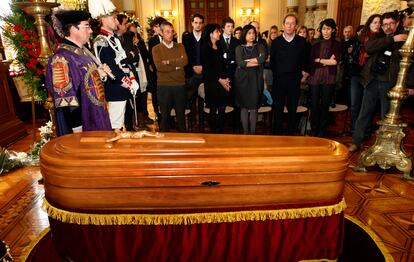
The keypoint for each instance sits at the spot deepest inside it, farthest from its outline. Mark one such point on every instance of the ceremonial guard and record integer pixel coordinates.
(108, 50)
(75, 79)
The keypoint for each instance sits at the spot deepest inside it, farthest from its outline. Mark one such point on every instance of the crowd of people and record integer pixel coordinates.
(238, 67)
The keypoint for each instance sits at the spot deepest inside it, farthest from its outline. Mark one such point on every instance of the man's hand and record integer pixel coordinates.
(225, 83)
(411, 92)
(400, 38)
(103, 69)
(198, 69)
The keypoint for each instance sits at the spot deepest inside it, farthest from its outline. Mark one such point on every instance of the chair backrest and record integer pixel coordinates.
(201, 92)
(228, 110)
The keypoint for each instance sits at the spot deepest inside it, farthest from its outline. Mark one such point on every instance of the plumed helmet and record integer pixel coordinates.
(99, 8)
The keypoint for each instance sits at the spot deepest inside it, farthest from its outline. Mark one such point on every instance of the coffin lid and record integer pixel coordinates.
(196, 171)
(182, 154)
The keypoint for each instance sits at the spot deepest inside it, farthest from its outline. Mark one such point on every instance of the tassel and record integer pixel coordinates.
(191, 218)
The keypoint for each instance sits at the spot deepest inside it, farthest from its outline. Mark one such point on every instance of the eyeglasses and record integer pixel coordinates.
(389, 24)
(83, 26)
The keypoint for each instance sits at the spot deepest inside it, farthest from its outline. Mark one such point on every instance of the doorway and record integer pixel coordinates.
(213, 11)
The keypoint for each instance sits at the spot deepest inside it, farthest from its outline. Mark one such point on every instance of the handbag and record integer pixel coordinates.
(142, 76)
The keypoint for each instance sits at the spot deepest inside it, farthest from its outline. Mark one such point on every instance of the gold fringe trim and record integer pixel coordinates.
(27, 250)
(190, 218)
(380, 244)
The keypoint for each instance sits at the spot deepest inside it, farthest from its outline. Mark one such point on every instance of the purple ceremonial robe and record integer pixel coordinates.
(77, 89)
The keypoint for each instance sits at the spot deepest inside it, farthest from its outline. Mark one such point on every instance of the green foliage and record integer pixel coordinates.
(148, 28)
(21, 31)
(10, 160)
(8, 163)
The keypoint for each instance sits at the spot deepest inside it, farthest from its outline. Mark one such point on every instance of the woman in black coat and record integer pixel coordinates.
(250, 59)
(216, 81)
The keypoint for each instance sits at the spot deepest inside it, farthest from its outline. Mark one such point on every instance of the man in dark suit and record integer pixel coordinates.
(153, 41)
(229, 43)
(193, 71)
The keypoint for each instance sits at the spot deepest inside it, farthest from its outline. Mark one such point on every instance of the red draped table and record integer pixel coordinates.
(195, 197)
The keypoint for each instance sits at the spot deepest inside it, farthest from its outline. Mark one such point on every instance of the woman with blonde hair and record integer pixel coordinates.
(273, 33)
(303, 32)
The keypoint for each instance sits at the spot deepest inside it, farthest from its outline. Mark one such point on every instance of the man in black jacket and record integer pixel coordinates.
(228, 44)
(288, 60)
(193, 43)
(379, 74)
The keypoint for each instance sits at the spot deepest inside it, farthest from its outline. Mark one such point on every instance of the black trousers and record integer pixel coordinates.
(170, 97)
(321, 97)
(141, 103)
(286, 92)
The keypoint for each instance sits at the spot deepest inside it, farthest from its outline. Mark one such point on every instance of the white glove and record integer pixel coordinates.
(134, 87)
(77, 129)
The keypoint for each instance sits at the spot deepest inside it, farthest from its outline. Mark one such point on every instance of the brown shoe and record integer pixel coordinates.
(352, 148)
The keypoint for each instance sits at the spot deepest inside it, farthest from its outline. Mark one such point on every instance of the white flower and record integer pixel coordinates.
(46, 130)
(19, 156)
(49, 125)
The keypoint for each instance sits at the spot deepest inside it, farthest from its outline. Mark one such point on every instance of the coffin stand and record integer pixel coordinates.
(195, 197)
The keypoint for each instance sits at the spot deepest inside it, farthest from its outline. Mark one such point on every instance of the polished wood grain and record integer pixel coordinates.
(11, 128)
(249, 171)
(380, 200)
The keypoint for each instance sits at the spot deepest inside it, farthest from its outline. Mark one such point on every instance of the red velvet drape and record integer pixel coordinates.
(270, 240)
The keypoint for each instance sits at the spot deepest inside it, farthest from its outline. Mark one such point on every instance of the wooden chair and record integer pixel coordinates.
(340, 108)
(266, 110)
(188, 119)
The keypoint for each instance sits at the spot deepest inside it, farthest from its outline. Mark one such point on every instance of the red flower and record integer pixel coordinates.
(33, 61)
(31, 53)
(26, 38)
(23, 32)
(39, 72)
(16, 28)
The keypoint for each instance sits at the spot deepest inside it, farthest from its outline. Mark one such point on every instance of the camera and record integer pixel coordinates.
(382, 63)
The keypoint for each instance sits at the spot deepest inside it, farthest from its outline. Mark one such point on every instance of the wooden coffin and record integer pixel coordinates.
(191, 171)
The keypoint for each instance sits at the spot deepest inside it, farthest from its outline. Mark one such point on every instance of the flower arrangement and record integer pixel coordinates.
(10, 160)
(19, 29)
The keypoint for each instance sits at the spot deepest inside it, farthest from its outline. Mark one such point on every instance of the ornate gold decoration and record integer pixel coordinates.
(388, 149)
(39, 9)
(191, 218)
(93, 85)
(137, 134)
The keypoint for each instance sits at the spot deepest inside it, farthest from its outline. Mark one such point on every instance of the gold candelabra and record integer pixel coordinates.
(39, 9)
(388, 149)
